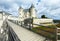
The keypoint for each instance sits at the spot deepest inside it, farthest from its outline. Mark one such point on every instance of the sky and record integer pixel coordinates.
(50, 8)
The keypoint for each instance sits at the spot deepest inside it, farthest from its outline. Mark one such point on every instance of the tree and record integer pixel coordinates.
(43, 16)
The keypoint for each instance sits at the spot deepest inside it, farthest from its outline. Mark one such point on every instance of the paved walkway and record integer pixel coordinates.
(24, 34)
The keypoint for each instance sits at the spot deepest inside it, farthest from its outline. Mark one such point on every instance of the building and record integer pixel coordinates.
(43, 22)
(12, 17)
(4, 15)
(31, 13)
(1, 15)
(27, 13)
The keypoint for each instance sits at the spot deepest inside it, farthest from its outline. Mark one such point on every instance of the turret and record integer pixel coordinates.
(32, 11)
(21, 13)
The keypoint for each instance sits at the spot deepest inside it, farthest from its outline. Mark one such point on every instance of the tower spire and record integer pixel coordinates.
(32, 6)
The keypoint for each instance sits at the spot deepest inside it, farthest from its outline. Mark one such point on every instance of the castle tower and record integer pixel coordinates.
(21, 13)
(32, 11)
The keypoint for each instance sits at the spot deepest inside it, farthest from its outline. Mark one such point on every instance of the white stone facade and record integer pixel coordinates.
(4, 15)
(27, 13)
(44, 22)
(12, 17)
(38, 21)
(1, 16)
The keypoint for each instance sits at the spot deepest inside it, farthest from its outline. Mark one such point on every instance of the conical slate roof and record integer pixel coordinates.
(32, 6)
(20, 7)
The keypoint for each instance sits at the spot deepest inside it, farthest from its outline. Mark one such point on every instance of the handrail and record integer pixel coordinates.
(15, 37)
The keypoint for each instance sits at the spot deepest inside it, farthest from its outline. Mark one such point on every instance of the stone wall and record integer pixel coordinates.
(43, 22)
(38, 21)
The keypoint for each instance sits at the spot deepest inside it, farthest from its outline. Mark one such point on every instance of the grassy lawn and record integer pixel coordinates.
(45, 31)
(48, 29)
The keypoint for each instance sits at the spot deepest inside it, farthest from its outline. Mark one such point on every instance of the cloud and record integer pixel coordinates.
(50, 8)
(9, 6)
(12, 6)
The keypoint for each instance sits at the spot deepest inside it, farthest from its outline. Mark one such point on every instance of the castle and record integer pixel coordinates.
(27, 13)
(31, 13)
